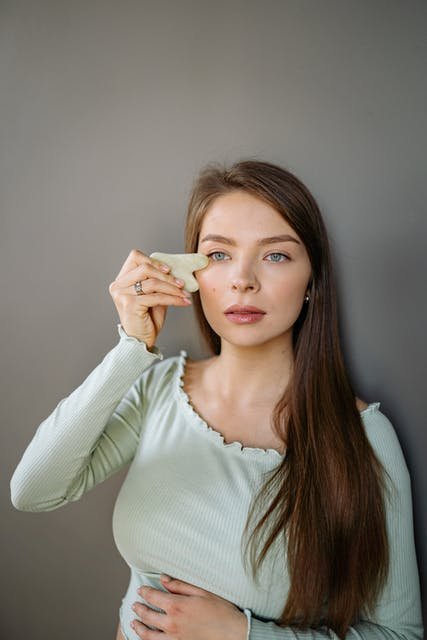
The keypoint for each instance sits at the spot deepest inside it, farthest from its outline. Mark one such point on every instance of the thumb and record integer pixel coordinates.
(179, 586)
(158, 315)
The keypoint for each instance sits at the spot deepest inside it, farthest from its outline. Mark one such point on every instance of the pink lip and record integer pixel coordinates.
(244, 318)
(241, 309)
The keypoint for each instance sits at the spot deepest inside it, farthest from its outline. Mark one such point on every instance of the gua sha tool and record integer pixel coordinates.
(182, 266)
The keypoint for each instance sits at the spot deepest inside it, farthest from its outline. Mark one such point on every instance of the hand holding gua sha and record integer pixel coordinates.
(182, 266)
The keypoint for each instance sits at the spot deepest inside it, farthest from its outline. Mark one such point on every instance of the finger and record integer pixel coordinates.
(137, 258)
(157, 597)
(153, 285)
(184, 588)
(144, 632)
(152, 279)
(149, 616)
(134, 259)
(158, 314)
(133, 304)
(144, 270)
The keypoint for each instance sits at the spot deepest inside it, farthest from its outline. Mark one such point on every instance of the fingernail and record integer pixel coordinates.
(166, 578)
(165, 267)
(179, 281)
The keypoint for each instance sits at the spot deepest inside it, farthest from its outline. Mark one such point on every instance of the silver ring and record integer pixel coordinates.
(138, 288)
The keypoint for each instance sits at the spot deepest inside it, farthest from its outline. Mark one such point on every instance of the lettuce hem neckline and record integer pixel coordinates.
(215, 435)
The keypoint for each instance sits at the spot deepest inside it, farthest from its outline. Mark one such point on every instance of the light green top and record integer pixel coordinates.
(184, 502)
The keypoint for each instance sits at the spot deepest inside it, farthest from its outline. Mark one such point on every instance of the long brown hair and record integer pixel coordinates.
(327, 495)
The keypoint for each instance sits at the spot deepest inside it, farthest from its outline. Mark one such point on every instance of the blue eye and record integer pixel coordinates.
(278, 254)
(270, 254)
(216, 252)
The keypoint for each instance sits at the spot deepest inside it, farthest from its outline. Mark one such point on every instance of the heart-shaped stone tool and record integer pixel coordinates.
(182, 266)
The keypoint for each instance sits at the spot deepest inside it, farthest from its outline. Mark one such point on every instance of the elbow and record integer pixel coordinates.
(22, 502)
(20, 491)
(21, 499)
(17, 494)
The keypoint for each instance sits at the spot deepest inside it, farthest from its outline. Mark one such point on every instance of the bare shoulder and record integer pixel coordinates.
(361, 405)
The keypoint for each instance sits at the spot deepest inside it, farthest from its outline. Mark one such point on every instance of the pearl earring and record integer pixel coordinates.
(307, 298)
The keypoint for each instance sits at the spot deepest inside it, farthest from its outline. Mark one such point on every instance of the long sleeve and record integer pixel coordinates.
(90, 435)
(398, 612)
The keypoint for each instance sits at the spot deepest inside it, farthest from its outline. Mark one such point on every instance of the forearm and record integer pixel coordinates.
(54, 462)
(259, 630)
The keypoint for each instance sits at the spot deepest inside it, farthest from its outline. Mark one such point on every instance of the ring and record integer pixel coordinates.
(138, 288)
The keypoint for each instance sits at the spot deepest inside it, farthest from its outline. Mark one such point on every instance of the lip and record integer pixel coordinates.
(241, 309)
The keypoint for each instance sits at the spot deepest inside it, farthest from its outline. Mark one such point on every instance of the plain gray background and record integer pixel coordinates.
(108, 111)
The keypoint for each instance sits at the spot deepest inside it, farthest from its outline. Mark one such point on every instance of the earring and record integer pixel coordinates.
(307, 298)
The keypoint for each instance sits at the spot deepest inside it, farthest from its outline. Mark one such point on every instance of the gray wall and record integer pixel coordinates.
(108, 110)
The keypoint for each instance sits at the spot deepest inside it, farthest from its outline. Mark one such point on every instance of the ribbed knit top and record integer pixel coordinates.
(184, 502)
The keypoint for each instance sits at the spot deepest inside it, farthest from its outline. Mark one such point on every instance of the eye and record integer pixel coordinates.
(278, 254)
(216, 253)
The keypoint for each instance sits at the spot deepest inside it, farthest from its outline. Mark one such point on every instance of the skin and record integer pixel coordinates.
(251, 371)
(257, 358)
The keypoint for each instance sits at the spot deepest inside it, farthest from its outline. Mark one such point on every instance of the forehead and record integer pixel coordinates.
(240, 212)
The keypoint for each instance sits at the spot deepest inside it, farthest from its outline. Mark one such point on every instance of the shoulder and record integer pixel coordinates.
(165, 368)
(385, 443)
(158, 377)
(379, 429)
(361, 405)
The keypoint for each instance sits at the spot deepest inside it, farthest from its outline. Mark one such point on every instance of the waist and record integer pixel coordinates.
(127, 614)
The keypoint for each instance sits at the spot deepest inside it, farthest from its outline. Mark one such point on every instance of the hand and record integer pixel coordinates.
(191, 613)
(142, 315)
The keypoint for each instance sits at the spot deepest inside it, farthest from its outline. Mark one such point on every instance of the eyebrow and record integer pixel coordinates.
(262, 241)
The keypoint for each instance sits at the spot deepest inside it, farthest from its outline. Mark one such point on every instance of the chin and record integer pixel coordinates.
(247, 336)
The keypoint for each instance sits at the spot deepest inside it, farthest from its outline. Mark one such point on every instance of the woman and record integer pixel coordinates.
(279, 502)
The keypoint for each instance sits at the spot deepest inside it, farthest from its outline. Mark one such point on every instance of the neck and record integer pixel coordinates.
(252, 375)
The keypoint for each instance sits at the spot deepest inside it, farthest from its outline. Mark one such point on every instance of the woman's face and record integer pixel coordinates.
(246, 269)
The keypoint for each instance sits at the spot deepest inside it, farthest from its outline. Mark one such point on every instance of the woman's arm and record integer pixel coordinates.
(90, 435)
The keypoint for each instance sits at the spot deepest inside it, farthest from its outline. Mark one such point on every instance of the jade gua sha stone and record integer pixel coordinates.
(182, 266)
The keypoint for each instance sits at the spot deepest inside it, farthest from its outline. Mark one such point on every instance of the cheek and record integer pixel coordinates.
(209, 293)
(208, 284)
(288, 288)
(286, 294)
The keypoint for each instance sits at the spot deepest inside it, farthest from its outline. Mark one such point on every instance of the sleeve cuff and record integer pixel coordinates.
(155, 351)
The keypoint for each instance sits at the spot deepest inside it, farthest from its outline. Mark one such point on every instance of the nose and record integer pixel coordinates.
(244, 280)
(243, 285)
